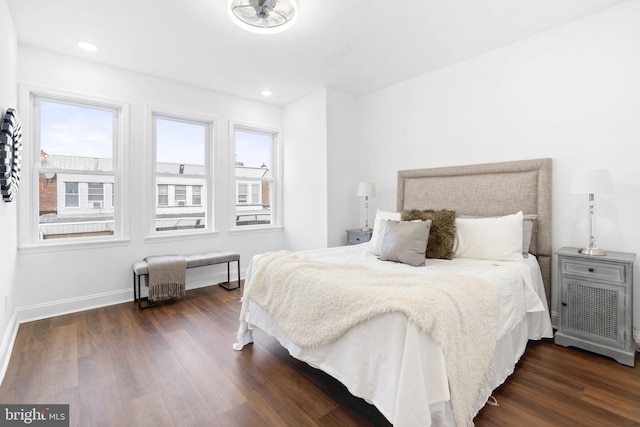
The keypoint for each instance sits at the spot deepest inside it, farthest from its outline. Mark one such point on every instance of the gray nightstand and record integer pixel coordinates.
(358, 236)
(596, 312)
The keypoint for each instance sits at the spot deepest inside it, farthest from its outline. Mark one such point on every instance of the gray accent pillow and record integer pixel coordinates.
(405, 242)
(529, 221)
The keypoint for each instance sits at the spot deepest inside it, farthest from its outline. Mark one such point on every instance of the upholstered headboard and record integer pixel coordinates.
(489, 189)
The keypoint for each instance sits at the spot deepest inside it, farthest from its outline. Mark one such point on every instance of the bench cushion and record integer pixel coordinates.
(140, 268)
(198, 260)
(211, 258)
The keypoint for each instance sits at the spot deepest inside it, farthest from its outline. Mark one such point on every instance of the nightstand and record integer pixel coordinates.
(596, 312)
(358, 236)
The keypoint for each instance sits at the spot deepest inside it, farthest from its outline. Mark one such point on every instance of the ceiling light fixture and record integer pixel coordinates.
(266, 92)
(264, 16)
(88, 46)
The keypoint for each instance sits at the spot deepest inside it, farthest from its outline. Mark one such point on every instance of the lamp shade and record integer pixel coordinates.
(366, 189)
(595, 181)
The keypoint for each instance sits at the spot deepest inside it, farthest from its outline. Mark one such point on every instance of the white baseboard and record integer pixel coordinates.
(72, 305)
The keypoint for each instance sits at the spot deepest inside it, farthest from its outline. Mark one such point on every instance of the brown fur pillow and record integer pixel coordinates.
(443, 231)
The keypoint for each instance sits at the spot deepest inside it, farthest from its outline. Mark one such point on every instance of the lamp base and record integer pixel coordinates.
(366, 229)
(592, 251)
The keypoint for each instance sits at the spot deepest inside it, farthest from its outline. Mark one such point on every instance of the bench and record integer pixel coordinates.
(140, 269)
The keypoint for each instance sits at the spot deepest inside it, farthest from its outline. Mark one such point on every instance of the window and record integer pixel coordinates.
(255, 184)
(71, 195)
(77, 168)
(255, 194)
(182, 173)
(242, 194)
(181, 195)
(163, 195)
(196, 195)
(96, 192)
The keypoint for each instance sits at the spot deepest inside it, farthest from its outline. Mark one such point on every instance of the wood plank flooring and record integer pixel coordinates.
(173, 365)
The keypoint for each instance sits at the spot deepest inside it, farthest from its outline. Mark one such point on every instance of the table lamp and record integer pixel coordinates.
(591, 182)
(366, 189)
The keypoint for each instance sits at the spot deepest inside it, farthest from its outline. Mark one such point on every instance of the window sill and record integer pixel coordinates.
(257, 228)
(34, 248)
(170, 237)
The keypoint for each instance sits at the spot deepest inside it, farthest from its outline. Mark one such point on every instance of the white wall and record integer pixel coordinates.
(75, 277)
(343, 166)
(321, 170)
(305, 171)
(8, 211)
(571, 94)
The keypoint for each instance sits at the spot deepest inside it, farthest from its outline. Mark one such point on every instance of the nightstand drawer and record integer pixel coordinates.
(355, 237)
(594, 270)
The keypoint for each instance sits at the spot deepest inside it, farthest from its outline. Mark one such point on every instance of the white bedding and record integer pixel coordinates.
(381, 359)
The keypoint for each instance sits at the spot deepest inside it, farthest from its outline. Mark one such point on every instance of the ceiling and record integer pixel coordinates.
(357, 46)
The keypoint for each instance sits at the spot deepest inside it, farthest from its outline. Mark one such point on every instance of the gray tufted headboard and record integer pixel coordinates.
(489, 189)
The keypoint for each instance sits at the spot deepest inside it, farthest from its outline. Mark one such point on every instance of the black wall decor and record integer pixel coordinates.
(10, 154)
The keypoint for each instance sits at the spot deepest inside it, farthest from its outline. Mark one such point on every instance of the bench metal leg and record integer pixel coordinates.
(227, 285)
(137, 296)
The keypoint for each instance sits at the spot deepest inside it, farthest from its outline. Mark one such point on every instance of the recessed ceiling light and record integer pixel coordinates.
(88, 46)
(266, 92)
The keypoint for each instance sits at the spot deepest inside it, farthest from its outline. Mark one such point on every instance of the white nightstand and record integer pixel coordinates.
(596, 311)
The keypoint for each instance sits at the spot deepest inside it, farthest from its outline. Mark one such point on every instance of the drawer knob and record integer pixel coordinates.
(590, 269)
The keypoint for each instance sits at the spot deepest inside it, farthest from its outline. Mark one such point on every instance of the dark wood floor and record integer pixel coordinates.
(173, 365)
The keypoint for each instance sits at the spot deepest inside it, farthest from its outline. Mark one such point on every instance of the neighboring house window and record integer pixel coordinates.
(182, 173)
(71, 195)
(95, 194)
(242, 194)
(181, 195)
(255, 177)
(255, 194)
(163, 195)
(77, 141)
(196, 195)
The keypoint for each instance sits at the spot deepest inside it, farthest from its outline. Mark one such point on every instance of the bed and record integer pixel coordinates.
(410, 358)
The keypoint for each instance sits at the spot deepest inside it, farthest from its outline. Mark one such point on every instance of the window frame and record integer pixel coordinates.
(30, 230)
(208, 177)
(275, 193)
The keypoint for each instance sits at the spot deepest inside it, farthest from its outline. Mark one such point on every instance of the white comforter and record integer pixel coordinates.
(393, 365)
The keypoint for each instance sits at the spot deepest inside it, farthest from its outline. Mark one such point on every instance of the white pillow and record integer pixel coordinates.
(498, 239)
(378, 229)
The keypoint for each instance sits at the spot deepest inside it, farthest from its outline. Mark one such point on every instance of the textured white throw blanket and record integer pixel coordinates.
(314, 303)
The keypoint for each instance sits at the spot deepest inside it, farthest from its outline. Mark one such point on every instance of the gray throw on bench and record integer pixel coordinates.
(167, 277)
